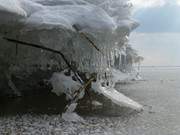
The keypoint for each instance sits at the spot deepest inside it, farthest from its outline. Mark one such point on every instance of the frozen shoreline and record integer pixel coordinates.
(159, 94)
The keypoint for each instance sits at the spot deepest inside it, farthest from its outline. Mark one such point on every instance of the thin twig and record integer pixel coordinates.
(91, 42)
(83, 88)
(87, 38)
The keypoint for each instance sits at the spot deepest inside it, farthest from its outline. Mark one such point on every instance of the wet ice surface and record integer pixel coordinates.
(159, 93)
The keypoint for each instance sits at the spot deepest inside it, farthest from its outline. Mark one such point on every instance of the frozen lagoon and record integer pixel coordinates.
(159, 93)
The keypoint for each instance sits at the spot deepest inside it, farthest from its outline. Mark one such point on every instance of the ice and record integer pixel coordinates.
(31, 7)
(160, 117)
(96, 103)
(11, 11)
(65, 25)
(70, 115)
(64, 84)
(60, 2)
(71, 108)
(117, 97)
(119, 76)
(12, 6)
(91, 34)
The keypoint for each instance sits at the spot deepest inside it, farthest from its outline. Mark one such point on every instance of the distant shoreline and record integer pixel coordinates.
(160, 66)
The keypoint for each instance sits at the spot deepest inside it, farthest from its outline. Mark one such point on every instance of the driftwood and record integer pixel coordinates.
(84, 87)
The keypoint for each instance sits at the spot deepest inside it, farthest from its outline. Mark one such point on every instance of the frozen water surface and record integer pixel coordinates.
(159, 93)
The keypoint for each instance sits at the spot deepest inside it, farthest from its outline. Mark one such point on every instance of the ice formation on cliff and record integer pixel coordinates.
(107, 23)
(92, 34)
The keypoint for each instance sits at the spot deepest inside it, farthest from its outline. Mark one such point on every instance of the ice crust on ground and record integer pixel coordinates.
(162, 98)
(70, 115)
(119, 76)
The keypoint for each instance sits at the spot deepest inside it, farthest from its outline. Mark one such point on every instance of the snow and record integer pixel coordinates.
(160, 117)
(116, 97)
(104, 22)
(107, 23)
(60, 2)
(64, 84)
(11, 11)
(31, 7)
(89, 33)
(12, 6)
(119, 76)
(71, 108)
(96, 103)
(70, 115)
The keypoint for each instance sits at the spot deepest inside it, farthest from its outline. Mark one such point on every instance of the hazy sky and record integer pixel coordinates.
(158, 36)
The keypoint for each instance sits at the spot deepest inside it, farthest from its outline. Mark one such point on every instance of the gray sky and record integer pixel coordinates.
(158, 37)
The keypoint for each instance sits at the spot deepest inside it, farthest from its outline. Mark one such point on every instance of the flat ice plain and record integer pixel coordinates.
(159, 93)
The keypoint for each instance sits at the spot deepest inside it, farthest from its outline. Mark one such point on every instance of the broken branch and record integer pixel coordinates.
(87, 38)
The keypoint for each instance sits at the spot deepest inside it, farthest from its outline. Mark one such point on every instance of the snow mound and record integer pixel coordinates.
(68, 15)
(65, 84)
